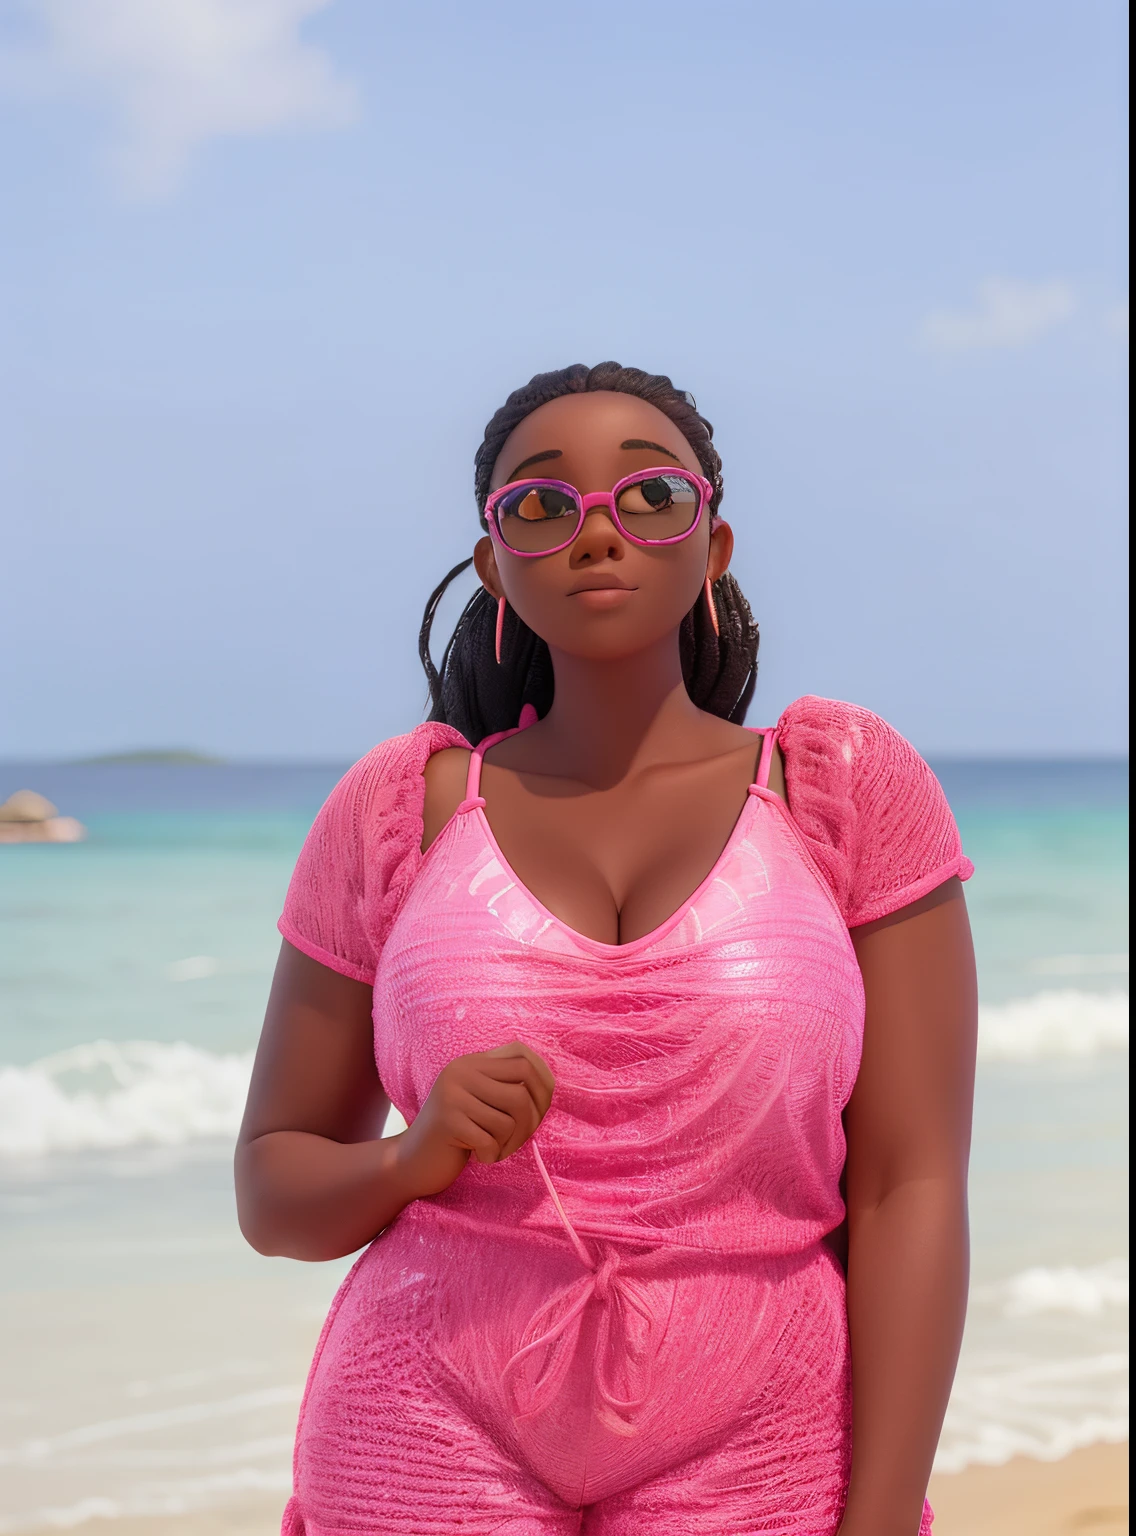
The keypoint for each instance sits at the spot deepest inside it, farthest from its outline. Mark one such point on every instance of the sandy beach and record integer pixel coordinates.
(1086, 1494)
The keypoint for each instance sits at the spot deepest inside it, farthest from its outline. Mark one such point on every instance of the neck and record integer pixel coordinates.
(609, 718)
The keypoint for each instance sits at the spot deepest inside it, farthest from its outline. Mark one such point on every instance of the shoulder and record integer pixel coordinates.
(388, 781)
(869, 806)
(362, 852)
(401, 757)
(444, 775)
(838, 737)
(832, 748)
(375, 811)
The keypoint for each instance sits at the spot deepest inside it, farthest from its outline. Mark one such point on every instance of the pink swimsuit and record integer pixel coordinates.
(636, 1323)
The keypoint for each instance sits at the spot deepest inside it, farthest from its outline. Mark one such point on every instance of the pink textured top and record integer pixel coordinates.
(664, 1234)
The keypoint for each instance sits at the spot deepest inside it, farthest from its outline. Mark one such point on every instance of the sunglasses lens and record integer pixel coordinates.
(534, 518)
(659, 506)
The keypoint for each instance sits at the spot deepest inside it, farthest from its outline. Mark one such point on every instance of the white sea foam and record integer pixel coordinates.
(193, 968)
(1044, 1367)
(1084, 1292)
(1005, 1406)
(45, 1447)
(169, 1498)
(119, 1094)
(1059, 1023)
(114, 1093)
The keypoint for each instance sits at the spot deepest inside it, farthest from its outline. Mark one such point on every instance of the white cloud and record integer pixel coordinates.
(176, 73)
(1007, 314)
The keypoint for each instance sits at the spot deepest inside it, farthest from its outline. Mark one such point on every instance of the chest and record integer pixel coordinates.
(615, 864)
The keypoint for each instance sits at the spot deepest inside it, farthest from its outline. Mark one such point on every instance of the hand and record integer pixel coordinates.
(487, 1104)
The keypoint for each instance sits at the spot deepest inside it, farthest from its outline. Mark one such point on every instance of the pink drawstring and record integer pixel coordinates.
(573, 1236)
(616, 1293)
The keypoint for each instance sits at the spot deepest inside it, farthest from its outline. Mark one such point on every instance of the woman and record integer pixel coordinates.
(681, 1018)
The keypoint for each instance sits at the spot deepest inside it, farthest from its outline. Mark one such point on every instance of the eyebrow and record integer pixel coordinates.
(536, 458)
(558, 453)
(639, 442)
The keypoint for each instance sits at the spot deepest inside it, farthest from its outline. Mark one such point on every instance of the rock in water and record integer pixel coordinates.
(26, 817)
(26, 805)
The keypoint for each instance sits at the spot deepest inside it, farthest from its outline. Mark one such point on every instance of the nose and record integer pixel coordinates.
(598, 539)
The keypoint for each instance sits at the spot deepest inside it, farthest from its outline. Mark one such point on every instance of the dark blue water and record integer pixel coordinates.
(98, 789)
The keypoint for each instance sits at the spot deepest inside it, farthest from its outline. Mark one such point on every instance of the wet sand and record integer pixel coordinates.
(1086, 1494)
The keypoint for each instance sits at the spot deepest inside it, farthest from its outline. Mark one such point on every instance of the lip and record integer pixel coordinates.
(602, 584)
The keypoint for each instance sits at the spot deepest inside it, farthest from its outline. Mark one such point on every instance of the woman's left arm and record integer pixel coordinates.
(908, 1129)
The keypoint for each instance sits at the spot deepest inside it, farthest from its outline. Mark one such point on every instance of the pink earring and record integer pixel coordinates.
(501, 626)
(709, 603)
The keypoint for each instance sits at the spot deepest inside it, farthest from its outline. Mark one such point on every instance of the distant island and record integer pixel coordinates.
(179, 756)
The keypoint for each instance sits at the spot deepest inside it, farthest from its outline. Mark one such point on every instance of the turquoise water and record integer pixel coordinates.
(93, 929)
(133, 973)
(1049, 897)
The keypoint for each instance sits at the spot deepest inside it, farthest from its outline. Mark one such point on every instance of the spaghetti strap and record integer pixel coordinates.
(765, 762)
(473, 777)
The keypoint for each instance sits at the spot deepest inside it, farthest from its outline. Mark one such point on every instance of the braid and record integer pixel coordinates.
(478, 697)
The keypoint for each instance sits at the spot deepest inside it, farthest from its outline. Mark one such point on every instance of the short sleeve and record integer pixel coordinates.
(361, 855)
(871, 811)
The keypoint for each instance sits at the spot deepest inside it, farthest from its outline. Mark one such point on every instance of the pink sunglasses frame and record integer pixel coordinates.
(593, 499)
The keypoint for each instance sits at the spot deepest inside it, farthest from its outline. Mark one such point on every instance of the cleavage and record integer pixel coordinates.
(614, 865)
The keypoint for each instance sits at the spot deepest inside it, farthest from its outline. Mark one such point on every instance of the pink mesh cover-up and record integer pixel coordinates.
(637, 1322)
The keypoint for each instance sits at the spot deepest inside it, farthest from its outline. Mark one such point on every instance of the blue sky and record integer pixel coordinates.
(268, 266)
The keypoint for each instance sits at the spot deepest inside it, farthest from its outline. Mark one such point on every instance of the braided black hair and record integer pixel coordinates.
(476, 695)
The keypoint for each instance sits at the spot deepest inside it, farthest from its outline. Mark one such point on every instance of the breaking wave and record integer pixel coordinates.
(125, 1093)
(1023, 1406)
(121, 1093)
(1078, 1292)
(1059, 1023)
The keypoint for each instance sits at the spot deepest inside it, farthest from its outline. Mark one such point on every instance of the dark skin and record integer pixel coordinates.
(611, 810)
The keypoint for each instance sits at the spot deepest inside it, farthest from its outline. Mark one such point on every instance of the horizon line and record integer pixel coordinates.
(183, 758)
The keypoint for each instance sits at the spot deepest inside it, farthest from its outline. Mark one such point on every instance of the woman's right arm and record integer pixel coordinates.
(315, 1180)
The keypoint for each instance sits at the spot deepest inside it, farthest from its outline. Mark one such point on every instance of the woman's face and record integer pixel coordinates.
(602, 597)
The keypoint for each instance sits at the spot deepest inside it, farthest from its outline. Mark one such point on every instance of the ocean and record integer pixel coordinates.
(154, 1363)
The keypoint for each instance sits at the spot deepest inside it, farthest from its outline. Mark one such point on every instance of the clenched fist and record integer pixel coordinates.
(487, 1104)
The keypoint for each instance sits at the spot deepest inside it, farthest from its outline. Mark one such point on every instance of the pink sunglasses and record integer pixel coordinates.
(652, 506)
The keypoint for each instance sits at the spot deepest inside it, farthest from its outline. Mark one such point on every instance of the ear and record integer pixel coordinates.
(485, 564)
(721, 550)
